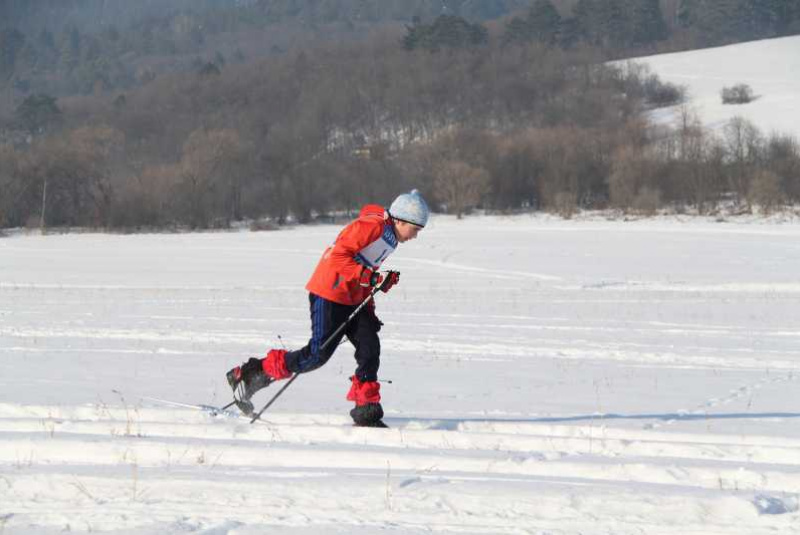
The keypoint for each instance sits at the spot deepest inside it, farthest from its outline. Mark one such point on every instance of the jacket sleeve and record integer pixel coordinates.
(355, 236)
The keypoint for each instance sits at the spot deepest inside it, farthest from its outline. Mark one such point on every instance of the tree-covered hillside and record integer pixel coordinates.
(200, 118)
(64, 47)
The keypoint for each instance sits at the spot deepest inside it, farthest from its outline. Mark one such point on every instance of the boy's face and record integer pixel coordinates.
(406, 231)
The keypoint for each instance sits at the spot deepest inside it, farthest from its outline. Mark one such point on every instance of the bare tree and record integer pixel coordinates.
(782, 157)
(11, 187)
(71, 175)
(628, 173)
(699, 162)
(95, 147)
(743, 142)
(212, 167)
(765, 191)
(460, 185)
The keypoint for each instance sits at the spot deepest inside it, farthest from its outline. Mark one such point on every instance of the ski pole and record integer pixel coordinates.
(338, 330)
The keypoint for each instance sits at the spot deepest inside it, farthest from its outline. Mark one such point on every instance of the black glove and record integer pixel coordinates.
(392, 278)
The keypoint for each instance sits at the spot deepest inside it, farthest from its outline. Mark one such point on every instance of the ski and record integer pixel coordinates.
(209, 409)
(216, 412)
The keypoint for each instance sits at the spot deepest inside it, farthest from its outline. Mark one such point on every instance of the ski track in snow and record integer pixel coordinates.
(142, 465)
(584, 377)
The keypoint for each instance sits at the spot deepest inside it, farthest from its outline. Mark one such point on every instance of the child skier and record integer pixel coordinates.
(343, 278)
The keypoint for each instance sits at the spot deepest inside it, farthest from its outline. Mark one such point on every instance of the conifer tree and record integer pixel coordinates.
(69, 47)
(717, 20)
(789, 17)
(647, 22)
(587, 21)
(544, 22)
(11, 43)
(760, 17)
(447, 31)
(46, 48)
(614, 23)
(687, 13)
(570, 33)
(37, 112)
(517, 31)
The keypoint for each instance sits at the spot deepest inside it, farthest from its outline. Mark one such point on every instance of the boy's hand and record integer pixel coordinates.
(392, 278)
(369, 278)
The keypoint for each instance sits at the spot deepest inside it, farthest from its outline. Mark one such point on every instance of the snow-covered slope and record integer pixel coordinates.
(771, 67)
(541, 376)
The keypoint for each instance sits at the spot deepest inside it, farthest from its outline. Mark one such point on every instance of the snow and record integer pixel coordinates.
(540, 376)
(770, 67)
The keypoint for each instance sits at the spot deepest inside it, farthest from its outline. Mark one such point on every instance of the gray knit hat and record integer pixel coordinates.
(411, 208)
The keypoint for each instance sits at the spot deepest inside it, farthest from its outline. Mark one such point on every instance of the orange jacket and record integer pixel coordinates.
(364, 243)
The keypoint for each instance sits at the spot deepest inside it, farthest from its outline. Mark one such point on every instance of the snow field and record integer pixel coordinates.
(109, 463)
(771, 67)
(539, 376)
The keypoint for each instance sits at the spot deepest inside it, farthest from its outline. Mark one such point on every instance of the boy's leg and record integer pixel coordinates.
(365, 389)
(326, 317)
(363, 334)
(255, 374)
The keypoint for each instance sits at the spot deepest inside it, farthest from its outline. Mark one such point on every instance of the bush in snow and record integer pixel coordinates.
(738, 94)
(565, 204)
(636, 81)
(660, 94)
(647, 201)
(766, 191)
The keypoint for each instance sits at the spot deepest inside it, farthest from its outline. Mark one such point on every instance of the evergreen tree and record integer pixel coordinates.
(45, 39)
(587, 21)
(46, 48)
(570, 33)
(413, 36)
(718, 20)
(447, 31)
(28, 61)
(37, 112)
(219, 59)
(614, 24)
(517, 31)
(647, 22)
(544, 22)
(788, 17)
(147, 41)
(687, 13)
(542, 25)
(209, 69)
(760, 17)
(93, 50)
(69, 47)
(12, 42)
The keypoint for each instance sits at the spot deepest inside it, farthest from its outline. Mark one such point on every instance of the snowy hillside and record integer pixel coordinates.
(546, 377)
(771, 67)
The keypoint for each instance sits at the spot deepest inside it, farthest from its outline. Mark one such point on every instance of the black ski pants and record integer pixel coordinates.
(362, 332)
